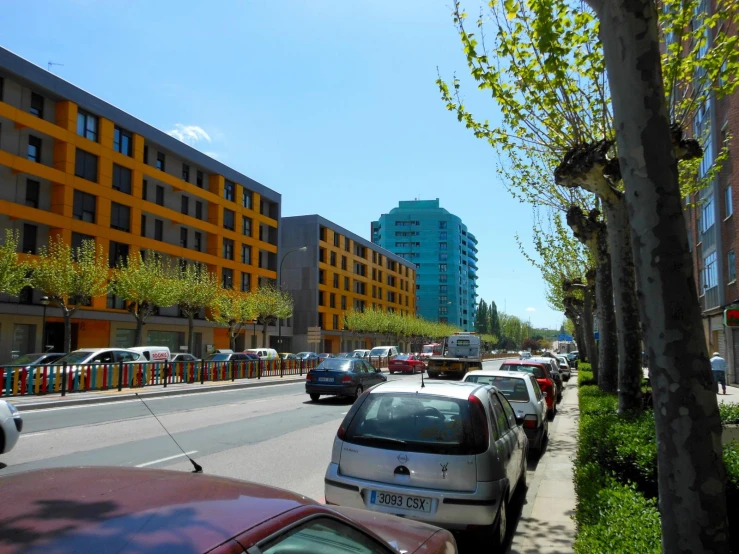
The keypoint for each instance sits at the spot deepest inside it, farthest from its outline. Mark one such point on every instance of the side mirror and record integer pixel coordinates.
(544, 394)
(519, 420)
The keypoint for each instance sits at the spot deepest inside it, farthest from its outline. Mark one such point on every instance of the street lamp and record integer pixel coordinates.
(44, 302)
(279, 276)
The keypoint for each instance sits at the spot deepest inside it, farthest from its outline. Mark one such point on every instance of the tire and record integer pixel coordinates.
(501, 523)
(391, 372)
(522, 484)
(358, 392)
(314, 397)
(550, 414)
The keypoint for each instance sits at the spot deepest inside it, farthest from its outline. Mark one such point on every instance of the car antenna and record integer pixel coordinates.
(197, 466)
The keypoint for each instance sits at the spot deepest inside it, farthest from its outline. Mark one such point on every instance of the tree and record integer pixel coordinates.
(70, 277)
(145, 284)
(270, 304)
(13, 273)
(531, 344)
(197, 290)
(481, 318)
(233, 309)
(494, 326)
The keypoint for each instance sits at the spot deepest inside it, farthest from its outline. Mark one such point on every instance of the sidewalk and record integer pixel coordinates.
(546, 525)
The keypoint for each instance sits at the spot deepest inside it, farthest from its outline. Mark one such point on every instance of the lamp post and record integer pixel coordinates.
(44, 302)
(279, 276)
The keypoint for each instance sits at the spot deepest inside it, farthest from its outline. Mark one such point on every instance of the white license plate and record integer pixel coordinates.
(325, 379)
(400, 501)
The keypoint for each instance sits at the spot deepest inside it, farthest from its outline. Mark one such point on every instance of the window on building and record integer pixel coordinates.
(337, 239)
(443, 257)
(227, 277)
(443, 299)
(34, 149)
(77, 240)
(84, 206)
(30, 233)
(198, 209)
(443, 310)
(161, 161)
(228, 219)
(86, 165)
(731, 265)
(245, 282)
(199, 178)
(245, 254)
(332, 259)
(121, 179)
(146, 154)
(442, 289)
(145, 189)
(336, 280)
(158, 229)
(120, 217)
(87, 125)
(198, 241)
(442, 224)
(708, 216)
(183, 237)
(160, 195)
(37, 105)
(143, 225)
(228, 249)
(443, 245)
(320, 298)
(709, 276)
(229, 190)
(122, 141)
(343, 302)
(343, 263)
(728, 201)
(246, 226)
(32, 193)
(186, 173)
(336, 322)
(2, 88)
(346, 283)
(332, 300)
(247, 198)
(185, 204)
(117, 254)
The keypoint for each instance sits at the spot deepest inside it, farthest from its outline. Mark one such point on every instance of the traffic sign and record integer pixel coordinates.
(596, 335)
(563, 337)
(314, 334)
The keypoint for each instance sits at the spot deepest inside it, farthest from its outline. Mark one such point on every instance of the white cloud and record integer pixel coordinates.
(189, 134)
(529, 309)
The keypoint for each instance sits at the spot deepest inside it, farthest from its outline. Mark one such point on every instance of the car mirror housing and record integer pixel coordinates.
(519, 420)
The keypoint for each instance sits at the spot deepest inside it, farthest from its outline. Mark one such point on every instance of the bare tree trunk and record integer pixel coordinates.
(67, 313)
(139, 337)
(627, 307)
(190, 332)
(588, 328)
(607, 343)
(690, 467)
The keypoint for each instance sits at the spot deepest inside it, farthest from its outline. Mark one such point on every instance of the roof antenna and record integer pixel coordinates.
(198, 467)
(50, 64)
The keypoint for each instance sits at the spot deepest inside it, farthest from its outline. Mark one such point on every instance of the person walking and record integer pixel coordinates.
(718, 365)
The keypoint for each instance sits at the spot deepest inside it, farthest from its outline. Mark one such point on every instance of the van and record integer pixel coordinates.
(154, 353)
(383, 351)
(263, 353)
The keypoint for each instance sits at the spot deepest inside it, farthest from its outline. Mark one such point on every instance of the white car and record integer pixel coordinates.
(526, 398)
(11, 425)
(361, 353)
(564, 367)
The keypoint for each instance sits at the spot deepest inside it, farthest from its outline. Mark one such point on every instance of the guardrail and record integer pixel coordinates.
(40, 380)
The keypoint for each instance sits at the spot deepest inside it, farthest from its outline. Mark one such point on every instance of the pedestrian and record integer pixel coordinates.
(718, 365)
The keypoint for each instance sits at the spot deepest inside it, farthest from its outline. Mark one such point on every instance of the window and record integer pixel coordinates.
(87, 125)
(228, 190)
(199, 178)
(443, 246)
(729, 201)
(121, 179)
(143, 225)
(122, 141)
(332, 301)
(707, 214)
(347, 244)
(160, 195)
(161, 161)
(246, 226)
(731, 265)
(29, 238)
(228, 249)
(343, 263)
(245, 254)
(183, 237)
(198, 241)
(144, 189)
(77, 240)
(247, 198)
(37, 105)
(320, 298)
(185, 205)
(442, 289)
(443, 278)
(443, 310)
(34, 149)
(708, 276)
(442, 268)
(84, 206)
(443, 299)
(228, 219)
(443, 257)
(32, 193)
(336, 280)
(346, 283)
(120, 217)
(337, 239)
(335, 322)
(118, 254)
(321, 277)
(343, 302)
(332, 258)
(442, 224)
(186, 173)
(227, 278)
(158, 229)
(86, 165)
(245, 282)
(146, 154)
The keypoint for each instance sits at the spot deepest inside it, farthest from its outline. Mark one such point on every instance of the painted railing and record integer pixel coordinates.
(40, 380)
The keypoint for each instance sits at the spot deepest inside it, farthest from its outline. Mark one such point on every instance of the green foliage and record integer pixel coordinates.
(13, 272)
(729, 413)
(197, 289)
(731, 461)
(482, 321)
(233, 309)
(395, 324)
(494, 325)
(270, 303)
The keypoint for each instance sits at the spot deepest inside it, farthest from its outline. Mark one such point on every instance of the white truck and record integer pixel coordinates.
(460, 354)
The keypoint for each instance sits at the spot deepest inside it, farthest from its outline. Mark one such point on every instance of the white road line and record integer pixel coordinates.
(167, 459)
(23, 435)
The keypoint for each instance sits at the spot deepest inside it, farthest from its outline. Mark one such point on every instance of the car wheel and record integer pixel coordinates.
(550, 414)
(391, 372)
(502, 525)
(314, 397)
(522, 480)
(358, 392)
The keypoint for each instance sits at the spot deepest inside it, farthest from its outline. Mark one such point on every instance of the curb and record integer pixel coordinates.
(153, 394)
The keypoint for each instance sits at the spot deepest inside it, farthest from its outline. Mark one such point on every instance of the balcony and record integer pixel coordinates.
(710, 298)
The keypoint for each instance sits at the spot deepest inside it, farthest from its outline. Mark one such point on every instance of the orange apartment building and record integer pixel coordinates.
(76, 166)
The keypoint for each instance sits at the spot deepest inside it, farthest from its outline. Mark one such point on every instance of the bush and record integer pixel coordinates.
(729, 413)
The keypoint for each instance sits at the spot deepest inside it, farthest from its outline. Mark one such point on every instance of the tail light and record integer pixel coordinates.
(308, 376)
(479, 422)
(346, 379)
(529, 422)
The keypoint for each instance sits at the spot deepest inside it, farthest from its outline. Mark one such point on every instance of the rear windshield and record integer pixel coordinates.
(379, 352)
(535, 370)
(514, 388)
(402, 357)
(27, 359)
(335, 364)
(413, 423)
(73, 358)
(218, 358)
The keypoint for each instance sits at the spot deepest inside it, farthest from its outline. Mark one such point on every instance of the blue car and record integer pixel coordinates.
(347, 377)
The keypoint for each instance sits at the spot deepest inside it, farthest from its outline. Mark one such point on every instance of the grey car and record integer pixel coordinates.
(447, 453)
(342, 377)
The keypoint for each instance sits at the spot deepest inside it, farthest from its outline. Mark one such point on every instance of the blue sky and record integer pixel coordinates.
(332, 103)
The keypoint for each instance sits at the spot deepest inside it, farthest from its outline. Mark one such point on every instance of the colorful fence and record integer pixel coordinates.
(22, 380)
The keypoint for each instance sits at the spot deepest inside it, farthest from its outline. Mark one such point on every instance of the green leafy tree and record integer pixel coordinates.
(233, 310)
(494, 324)
(13, 273)
(271, 304)
(144, 285)
(70, 277)
(197, 290)
(481, 317)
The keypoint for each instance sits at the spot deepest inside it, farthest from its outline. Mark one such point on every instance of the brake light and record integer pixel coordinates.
(529, 422)
(308, 377)
(341, 433)
(479, 422)
(346, 379)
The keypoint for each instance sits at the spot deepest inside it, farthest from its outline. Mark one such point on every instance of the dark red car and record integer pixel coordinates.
(127, 510)
(543, 377)
(406, 363)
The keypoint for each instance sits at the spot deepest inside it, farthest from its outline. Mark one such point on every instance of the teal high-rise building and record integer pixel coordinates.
(445, 254)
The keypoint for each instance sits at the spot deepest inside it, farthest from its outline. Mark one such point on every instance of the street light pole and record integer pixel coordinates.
(279, 276)
(44, 303)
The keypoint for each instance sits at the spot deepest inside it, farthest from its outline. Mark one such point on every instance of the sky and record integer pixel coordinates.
(331, 103)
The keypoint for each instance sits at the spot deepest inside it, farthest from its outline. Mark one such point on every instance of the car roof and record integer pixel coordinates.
(501, 373)
(452, 389)
(114, 509)
(530, 361)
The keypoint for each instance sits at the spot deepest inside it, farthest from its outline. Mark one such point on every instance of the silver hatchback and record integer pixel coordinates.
(447, 453)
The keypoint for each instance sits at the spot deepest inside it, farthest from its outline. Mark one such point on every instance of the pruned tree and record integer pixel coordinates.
(233, 310)
(271, 304)
(70, 277)
(197, 290)
(13, 272)
(144, 284)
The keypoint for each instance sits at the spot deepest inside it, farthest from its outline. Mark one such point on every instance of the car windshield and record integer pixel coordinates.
(217, 358)
(514, 388)
(303, 354)
(27, 359)
(535, 370)
(413, 423)
(378, 352)
(73, 358)
(335, 364)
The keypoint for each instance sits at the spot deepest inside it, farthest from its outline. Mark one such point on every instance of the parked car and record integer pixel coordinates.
(542, 373)
(324, 355)
(524, 355)
(564, 367)
(146, 510)
(225, 355)
(153, 353)
(263, 353)
(342, 377)
(554, 370)
(523, 392)
(447, 453)
(384, 352)
(573, 356)
(287, 356)
(183, 357)
(345, 355)
(86, 356)
(361, 353)
(30, 361)
(11, 425)
(307, 356)
(406, 363)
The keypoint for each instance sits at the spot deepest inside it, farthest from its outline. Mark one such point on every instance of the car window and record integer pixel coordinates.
(337, 364)
(500, 417)
(103, 358)
(536, 370)
(508, 411)
(369, 366)
(323, 534)
(359, 367)
(536, 387)
(513, 388)
(122, 356)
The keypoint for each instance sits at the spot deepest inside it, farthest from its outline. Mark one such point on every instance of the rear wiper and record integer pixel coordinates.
(373, 438)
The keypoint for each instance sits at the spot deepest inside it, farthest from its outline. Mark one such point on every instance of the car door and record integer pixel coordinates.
(516, 436)
(360, 374)
(507, 442)
(373, 376)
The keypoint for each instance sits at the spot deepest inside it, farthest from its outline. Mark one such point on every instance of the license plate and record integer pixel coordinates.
(325, 379)
(400, 501)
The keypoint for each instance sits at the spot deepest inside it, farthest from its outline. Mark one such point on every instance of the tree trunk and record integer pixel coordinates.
(67, 314)
(265, 323)
(190, 332)
(232, 337)
(139, 338)
(607, 343)
(627, 307)
(690, 466)
(588, 329)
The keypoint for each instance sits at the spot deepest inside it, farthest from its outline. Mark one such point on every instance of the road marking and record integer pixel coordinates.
(167, 459)
(33, 434)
